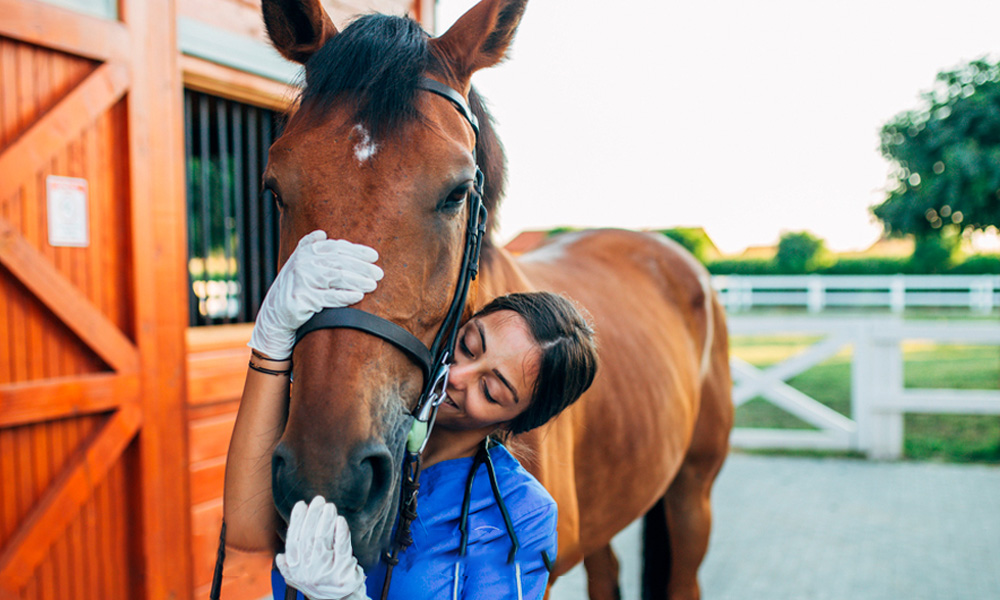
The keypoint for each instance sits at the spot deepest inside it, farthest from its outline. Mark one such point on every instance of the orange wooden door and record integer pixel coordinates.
(93, 447)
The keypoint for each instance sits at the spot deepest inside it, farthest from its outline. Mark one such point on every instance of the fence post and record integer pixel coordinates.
(897, 294)
(745, 288)
(981, 295)
(816, 297)
(861, 387)
(877, 382)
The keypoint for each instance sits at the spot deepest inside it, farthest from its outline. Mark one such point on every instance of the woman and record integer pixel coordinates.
(485, 527)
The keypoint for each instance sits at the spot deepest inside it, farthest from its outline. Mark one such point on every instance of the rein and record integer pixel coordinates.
(435, 362)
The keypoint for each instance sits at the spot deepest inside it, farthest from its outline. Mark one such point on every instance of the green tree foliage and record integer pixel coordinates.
(694, 240)
(800, 252)
(946, 156)
(935, 253)
(211, 226)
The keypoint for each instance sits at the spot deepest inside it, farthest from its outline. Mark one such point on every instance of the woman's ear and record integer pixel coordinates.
(297, 28)
(480, 38)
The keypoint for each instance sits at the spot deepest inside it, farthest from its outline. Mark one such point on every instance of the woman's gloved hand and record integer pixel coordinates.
(318, 559)
(319, 274)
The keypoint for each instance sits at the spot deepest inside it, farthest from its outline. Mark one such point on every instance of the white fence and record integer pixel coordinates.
(878, 397)
(980, 293)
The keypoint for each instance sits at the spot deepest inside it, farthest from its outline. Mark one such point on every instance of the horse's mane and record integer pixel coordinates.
(376, 63)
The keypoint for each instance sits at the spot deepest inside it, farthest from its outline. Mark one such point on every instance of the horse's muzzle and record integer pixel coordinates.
(363, 491)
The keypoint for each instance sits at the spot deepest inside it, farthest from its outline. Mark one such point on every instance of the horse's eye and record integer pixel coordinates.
(455, 199)
(267, 189)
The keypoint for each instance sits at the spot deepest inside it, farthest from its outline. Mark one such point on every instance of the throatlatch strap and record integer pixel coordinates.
(352, 318)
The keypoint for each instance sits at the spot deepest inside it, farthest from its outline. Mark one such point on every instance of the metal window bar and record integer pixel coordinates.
(232, 229)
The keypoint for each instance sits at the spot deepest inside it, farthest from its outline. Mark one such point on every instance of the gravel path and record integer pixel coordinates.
(833, 529)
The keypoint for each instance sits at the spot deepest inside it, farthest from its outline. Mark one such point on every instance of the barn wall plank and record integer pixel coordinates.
(159, 281)
(61, 501)
(60, 296)
(64, 30)
(53, 398)
(246, 575)
(34, 80)
(210, 437)
(98, 92)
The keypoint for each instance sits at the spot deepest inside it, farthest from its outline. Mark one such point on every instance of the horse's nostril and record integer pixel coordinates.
(381, 467)
(282, 468)
(375, 468)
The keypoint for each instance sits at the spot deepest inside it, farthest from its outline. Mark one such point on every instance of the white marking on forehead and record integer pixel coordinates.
(366, 148)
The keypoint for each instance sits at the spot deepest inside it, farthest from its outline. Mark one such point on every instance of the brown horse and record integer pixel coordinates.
(370, 157)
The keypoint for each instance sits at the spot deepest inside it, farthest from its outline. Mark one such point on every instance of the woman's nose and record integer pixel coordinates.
(458, 375)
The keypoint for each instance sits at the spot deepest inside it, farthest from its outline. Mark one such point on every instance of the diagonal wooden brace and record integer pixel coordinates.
(65, 301)
(59, 506)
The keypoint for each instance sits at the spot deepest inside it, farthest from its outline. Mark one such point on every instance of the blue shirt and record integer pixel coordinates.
(427, 569)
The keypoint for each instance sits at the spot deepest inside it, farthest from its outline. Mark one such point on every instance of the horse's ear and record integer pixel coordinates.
(297, 28)
(480, 38)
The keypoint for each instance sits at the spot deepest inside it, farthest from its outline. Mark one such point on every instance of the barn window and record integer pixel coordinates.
(232, 227)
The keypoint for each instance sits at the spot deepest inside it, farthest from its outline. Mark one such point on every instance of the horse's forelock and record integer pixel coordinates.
(376, 64)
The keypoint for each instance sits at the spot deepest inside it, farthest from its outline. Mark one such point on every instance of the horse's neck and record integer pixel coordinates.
(499, 274)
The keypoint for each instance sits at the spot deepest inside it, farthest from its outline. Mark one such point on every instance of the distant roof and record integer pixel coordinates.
(759, 252)
(892, 247)
(886, 247)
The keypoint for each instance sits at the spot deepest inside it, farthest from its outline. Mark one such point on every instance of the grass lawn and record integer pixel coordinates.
(938, 437)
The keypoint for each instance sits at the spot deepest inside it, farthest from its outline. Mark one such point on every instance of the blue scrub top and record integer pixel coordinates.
(427, 568)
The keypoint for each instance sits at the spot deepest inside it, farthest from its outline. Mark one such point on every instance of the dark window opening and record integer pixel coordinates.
(232, 227)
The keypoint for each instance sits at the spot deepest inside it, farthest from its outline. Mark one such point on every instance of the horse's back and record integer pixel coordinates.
(614, 452)
(630, 282)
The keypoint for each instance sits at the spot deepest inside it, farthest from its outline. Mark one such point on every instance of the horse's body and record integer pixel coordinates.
(650, 435)
(659, 411)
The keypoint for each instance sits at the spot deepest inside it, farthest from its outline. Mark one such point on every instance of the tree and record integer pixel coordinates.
(694, 240)
(800, 252)
(945, 157)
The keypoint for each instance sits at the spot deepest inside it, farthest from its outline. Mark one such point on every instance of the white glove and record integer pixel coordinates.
(318, 560)
(319, 274)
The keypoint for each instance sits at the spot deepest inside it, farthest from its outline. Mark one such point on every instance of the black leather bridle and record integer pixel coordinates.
(434, 362)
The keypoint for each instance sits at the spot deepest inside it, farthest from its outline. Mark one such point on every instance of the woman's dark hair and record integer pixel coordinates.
(568, 359)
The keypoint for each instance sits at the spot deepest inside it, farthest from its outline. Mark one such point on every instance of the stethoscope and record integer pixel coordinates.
(483, 456)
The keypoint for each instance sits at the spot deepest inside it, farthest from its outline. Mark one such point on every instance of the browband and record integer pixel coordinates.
(441, 89)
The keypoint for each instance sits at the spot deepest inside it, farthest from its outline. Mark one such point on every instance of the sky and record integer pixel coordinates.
(746, 118)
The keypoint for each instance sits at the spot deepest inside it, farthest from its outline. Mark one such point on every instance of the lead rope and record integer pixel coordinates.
(220, 558)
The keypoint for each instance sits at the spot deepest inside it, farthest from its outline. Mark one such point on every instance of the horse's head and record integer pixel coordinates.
(369, 157)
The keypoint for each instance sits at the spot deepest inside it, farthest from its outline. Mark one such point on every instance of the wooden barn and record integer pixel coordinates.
(135, 248)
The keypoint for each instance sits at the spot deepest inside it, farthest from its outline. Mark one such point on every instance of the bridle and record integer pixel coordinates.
(434, 362)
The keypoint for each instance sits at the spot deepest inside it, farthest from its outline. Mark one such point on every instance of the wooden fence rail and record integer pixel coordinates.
(978, 293)
(879, 398)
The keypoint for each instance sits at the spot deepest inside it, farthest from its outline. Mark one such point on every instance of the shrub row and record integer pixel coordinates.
(979, 264)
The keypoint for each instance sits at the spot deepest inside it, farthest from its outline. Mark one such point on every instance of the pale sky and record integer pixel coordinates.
(748, 118)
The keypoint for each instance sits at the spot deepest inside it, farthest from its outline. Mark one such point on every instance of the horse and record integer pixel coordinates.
(369, 156)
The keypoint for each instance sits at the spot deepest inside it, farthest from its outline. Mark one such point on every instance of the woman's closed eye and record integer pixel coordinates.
(486, 392)
(464, 347)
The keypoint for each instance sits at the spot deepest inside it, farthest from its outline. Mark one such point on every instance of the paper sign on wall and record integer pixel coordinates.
(68, 215)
